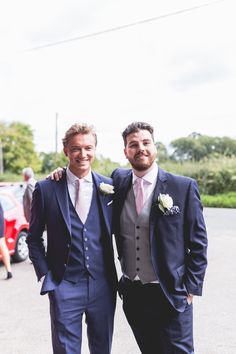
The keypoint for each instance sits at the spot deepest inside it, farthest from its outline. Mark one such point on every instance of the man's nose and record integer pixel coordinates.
(141, 147)
(83, 152)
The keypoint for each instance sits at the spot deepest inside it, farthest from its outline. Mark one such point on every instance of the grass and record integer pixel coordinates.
(227, 200)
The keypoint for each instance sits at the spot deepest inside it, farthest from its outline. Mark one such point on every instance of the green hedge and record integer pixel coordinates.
(214, 176)
(227, 200)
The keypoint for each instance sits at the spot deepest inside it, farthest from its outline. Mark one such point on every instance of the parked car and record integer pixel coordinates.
(16, 226)
(15, 188)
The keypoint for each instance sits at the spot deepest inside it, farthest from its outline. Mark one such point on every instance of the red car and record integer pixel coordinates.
(16, 226)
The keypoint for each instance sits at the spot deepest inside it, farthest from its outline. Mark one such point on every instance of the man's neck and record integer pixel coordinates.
(143, 173)
(79, 174)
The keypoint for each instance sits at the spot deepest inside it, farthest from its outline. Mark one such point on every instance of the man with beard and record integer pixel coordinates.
(162, 243)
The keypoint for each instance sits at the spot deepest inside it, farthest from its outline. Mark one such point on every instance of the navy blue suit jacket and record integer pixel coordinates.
(50, 208)
(178, 242)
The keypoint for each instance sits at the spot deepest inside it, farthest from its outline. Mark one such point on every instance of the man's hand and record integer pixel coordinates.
(189, 299)
(56, 174)
(41, 280)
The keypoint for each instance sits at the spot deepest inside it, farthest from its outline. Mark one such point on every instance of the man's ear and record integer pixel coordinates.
(65, 151)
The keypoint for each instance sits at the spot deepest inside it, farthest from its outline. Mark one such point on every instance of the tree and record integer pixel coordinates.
(104, 165)
(162, 153)
(196, 147)
(18, 147)
(52, 160)
(225, 146)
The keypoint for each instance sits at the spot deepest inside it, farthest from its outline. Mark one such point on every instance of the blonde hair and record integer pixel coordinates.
(78, 128)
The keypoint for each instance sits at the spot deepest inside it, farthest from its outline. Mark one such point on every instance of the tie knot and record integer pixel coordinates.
(139, 181)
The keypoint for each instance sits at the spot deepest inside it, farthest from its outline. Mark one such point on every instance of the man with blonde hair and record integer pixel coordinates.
(78, 270)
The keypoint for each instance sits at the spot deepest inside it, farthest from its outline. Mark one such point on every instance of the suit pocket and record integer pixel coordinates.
(49, 283)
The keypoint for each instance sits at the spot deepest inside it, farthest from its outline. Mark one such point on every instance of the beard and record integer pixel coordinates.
(142, 165)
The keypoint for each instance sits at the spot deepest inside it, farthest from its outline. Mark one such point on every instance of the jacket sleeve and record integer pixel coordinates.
(37, 252)
(196, 242)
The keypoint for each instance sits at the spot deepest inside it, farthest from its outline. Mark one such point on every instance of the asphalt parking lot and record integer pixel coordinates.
(25, 326)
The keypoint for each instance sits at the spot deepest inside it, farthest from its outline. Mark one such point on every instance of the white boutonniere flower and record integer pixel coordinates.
(166, 205)
(106, 188)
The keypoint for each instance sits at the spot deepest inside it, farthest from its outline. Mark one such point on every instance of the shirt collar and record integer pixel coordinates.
(150, 176)
(71, 178)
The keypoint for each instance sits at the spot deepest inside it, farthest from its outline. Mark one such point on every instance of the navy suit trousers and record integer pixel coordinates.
(158, 328)
(69, 302)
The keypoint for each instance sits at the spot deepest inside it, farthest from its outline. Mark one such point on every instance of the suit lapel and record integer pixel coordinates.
(62, 198)
(103, 200)
(126, 183)
(160, 188)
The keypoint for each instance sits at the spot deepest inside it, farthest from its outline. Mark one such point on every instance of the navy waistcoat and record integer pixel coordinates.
(86, 255)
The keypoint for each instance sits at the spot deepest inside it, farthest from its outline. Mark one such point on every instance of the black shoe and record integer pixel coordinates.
(9, 275)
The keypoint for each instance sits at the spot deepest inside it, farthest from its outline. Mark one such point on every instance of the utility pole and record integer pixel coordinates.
(56, 133)
(1, 158)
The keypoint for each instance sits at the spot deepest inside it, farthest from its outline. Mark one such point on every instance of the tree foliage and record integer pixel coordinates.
(104, 165)
(52, 160)
(196, 147)
(162, 152)
(18, 147)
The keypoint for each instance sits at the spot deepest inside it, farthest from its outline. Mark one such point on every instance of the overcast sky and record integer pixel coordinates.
(177, 72)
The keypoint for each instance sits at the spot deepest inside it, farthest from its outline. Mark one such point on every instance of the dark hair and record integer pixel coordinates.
(135, 127)
(78, 128)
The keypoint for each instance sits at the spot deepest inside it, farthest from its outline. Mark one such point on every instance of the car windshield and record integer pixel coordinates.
(6, 202)
(17, 189)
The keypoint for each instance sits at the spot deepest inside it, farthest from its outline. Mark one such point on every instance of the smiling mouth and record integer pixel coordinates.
(81, 161)
(140, 156)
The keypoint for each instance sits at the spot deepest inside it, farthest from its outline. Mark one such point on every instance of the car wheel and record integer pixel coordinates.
(21, 248)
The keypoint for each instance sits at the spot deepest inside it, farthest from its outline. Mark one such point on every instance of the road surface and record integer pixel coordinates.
(25, 325)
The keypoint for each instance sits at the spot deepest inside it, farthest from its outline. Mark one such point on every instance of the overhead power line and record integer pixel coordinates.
(122, 27)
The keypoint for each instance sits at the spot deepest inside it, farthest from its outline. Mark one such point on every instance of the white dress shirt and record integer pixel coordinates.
(86, 186)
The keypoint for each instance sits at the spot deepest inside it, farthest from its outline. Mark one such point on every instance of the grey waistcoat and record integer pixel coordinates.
(136, 251)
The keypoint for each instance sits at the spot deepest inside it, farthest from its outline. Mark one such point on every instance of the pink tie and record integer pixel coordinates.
(139, 195)
(80, 205)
